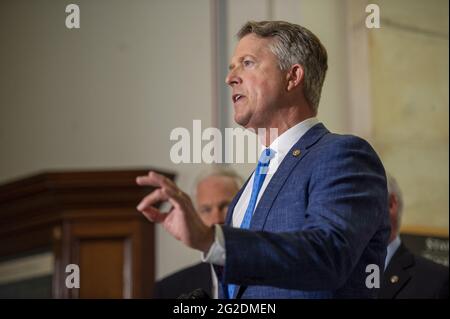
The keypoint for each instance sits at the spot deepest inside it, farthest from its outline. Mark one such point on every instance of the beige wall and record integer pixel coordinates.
(106, 95)
(409, 85)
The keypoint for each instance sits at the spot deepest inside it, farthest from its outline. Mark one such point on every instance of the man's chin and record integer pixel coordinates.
(241, 120)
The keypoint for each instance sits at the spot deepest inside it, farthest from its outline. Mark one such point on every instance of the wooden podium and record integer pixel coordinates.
(84, 218)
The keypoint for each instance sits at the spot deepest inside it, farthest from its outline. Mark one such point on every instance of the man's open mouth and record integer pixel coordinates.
(237, 97)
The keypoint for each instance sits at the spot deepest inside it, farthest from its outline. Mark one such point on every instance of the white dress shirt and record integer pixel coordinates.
(391, 249)
(281, 146)
(215, 284)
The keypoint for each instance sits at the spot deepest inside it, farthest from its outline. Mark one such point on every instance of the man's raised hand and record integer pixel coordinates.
(182, 221)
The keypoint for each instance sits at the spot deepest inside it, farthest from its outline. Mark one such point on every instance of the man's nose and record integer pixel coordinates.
(232, 78)
(218, 216)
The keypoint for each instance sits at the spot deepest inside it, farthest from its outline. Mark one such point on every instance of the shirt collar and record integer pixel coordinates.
(283, 143)
(391, 249)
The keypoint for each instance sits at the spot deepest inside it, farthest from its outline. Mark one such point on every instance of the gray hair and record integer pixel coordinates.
(295, 44)
(394, 189)
(217, 171)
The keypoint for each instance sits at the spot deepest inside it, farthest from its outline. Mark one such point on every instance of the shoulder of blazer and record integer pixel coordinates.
(404, 267)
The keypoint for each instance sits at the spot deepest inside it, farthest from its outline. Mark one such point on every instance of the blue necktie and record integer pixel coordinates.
(260, 175)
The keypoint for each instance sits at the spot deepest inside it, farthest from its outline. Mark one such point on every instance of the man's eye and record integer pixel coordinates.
(247, 62)
(224, 208)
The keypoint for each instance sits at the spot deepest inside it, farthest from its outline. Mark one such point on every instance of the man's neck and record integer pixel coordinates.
(283, 120)
(269, 133)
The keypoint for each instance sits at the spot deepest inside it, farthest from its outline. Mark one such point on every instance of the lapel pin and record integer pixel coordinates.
(394, 279)
(296, 153)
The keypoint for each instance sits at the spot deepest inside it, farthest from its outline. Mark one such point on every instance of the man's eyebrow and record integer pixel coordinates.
(225, 202)
(231, 65)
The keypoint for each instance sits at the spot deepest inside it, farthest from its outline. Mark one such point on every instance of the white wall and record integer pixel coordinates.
(409, 83)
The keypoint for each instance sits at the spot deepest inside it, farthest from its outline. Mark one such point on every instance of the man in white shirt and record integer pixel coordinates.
(314, 214)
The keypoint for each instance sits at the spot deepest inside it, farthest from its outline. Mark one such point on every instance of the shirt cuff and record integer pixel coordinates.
(216, 254)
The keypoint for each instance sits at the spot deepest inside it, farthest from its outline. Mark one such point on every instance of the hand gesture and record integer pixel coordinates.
(182, 221)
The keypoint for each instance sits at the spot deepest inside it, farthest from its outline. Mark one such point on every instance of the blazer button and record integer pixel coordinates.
(394, 279)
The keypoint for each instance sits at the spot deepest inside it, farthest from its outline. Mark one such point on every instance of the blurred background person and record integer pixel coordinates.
(213, 193)
(407, 275)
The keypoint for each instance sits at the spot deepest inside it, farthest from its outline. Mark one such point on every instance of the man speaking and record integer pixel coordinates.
(313, 215)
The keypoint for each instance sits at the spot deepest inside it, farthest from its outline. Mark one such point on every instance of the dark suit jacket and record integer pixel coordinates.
(184, 282)
(408, 276)
(321, 221)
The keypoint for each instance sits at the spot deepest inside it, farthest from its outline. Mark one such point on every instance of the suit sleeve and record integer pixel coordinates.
(347, 203)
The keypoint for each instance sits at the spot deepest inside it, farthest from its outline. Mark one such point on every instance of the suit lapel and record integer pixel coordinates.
(397, 275)
(279, 178)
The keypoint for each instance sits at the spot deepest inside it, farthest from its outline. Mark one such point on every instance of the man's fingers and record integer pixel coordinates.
(158, 180)
(154, 197)
(154, 215)
(175, 203)
(176, 197)
(147, 181)
(155, 179)
(166, 191)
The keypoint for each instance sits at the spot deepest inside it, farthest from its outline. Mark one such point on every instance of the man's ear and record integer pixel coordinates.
(393, 203)
(295, 76)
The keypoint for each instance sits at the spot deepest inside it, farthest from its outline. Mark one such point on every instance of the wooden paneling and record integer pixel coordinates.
(88, 219)
(102, 263)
